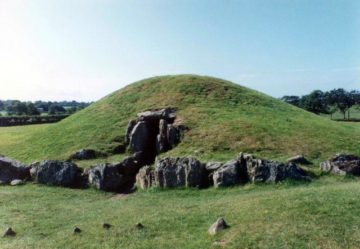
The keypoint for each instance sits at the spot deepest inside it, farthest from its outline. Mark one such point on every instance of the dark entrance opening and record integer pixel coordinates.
(152, 133)
(150, 151)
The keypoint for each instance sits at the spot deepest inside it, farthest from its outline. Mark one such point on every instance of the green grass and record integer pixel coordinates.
(224, 118)
(109, 159)
(322, 214)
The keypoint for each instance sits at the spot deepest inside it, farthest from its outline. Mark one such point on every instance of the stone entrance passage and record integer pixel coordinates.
(152, 133)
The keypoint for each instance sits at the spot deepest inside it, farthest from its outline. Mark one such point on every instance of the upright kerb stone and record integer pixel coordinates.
(139, 137)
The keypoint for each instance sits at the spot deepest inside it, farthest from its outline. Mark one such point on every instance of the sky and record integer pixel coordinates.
(85, 49)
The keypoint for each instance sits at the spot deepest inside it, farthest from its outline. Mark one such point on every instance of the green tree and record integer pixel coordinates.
(315, 102)
(342, 99)
(31, 109)
(293, 100)
(52, 110)
(55, 109)
(19, 108)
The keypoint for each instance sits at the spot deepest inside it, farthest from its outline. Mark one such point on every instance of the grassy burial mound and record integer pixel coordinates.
(223, 119)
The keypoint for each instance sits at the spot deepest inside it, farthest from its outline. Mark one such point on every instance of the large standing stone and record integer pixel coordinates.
(106, 177)
(162, 143)
(139, 137)
(12, 169)
(260, 170)
(144, 178)
(173, 135)
(179, 172)
(342, 164)
(263, 171)
(231, 173)
(152, 133)
(59, 173)
(129, 129)
(211, 167)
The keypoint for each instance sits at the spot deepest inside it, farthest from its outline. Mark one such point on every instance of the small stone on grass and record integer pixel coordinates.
(139, 226)
(77, 230)
(16, 182)
(9, 232)
(218, 226)
(106, 226)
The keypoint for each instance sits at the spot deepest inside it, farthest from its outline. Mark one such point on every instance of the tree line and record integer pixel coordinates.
(328, 102)
(20, 108)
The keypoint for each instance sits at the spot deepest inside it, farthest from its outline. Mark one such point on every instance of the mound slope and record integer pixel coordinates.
(224, 118)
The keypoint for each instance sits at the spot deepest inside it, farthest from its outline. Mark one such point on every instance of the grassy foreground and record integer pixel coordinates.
(224, 119)
(322, 214)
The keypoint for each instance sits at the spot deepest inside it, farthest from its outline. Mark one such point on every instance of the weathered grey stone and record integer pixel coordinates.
(9, 232)
(129, 166)
(179, 172)
(59, 173)
(139, 137)
(263, 171)
(162, 143)
(218, 226)
(129, 129)
(33, 169)
(16, 182)
(152, 133)
(173, 135)
(106, 177)
(155, 115)
(294, 172)
(151, 115)
(213, 166)
(12, 169)
(300, 159)
(231, 173)
(85, 154)
(342, 164)
(145, 177)
(249, 168)
(260, 170)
